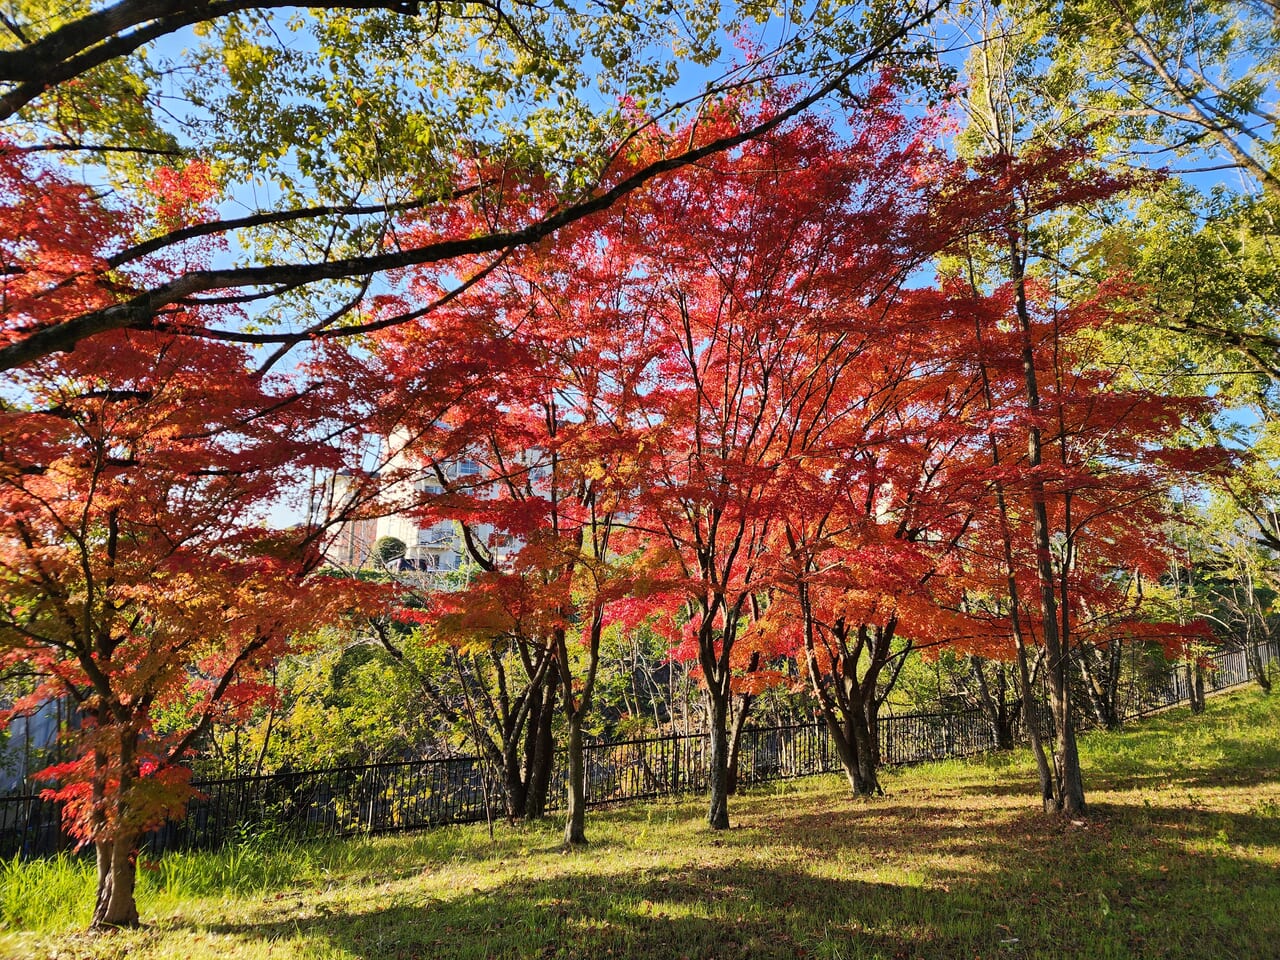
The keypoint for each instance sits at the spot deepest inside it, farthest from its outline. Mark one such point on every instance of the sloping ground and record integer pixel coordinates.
(1179, 857)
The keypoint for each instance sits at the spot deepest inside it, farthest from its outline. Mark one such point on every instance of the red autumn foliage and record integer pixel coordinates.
(794, 435)
(137, 577)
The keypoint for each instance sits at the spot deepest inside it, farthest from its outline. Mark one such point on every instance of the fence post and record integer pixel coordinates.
(675, 763)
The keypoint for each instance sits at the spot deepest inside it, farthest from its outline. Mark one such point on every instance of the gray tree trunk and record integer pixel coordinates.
(718, 762)
(735, 740)
(575, 829)
(1195, 686)
(117, 876)
(866, 781)
(540, 750)
(1257, 668)
(1066, 759)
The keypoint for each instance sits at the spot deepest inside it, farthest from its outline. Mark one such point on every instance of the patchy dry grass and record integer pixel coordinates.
(1179, 858)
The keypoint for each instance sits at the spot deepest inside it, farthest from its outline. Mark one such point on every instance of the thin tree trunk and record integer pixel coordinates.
(1004, 715)
(1195, 685)
(1256, 667)
(731, 773)
(1029, 712)
(867, 781)
(1067, 765)
(117, 876)
(1032, 718)
(855, 743)
(843, 740)
(540, 759)
(840, 706)
(576, 706)
(575, 829)
(1004, 726)
(735, 737)
(1115, 663)
(529, 749)
(994, 705)
(1066, 758)
(872, 711)
(1101, 702)
(116, 851)
(517, 789)
(852, 742)
(718, 762)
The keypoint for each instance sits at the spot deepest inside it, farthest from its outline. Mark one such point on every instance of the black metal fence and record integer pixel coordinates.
(1227, 669)
(384, 797)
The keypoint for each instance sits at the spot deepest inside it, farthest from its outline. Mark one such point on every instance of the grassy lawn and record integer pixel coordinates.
(1179, 858)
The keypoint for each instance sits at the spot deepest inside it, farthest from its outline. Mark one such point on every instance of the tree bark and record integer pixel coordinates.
(117, 877)
(842, 737)
(540, 753)
(1101, 689)
(576, 706)
(718, 762)
(735, 738)
(1257, 668)
(1067, 766)
(1195, 685)
(866, 780)
(994, 705)
(116, 851)
(1029, 713)
(517, 790)
(1066, 759)
(1033, 720)
(849, 706)
(575, 828)
(855, 745)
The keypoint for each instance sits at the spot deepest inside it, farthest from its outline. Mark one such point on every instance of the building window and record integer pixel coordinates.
(441, 532)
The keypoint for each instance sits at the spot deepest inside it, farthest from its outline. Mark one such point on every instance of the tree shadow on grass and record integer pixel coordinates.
(1140, 758)
(1141, 877)
(1121, 777)
(1226, 761)
(735, 911)
(1124, 885)
(1134, 880)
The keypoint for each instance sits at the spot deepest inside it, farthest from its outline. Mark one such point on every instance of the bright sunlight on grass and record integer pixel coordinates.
(1180, 857)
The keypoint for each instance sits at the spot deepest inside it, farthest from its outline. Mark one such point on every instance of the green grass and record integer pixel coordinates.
(1179, 857)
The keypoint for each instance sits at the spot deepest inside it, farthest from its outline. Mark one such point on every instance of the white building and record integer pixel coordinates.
(435, 546)
(431, 546)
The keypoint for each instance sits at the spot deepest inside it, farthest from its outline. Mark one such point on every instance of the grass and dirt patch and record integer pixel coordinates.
(1179, 857)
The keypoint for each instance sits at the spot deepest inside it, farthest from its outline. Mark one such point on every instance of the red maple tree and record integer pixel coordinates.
(137, 576)
(767, 281)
